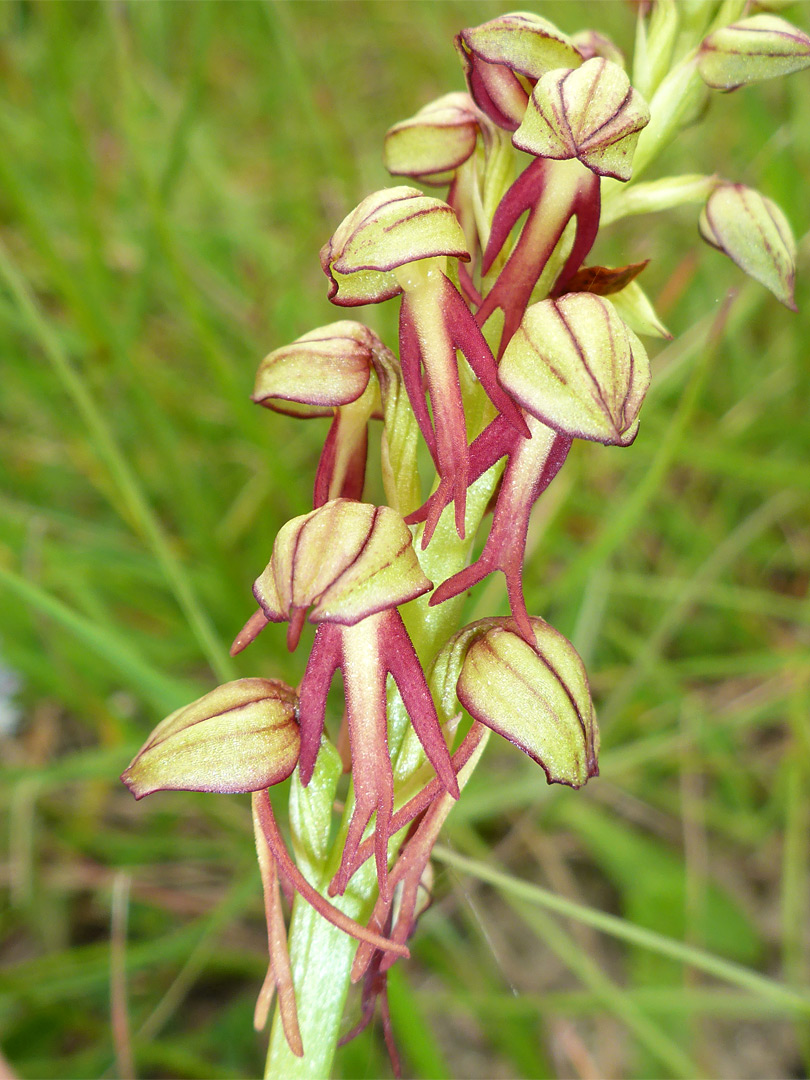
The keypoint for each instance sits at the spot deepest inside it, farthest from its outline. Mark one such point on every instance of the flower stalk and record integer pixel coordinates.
(509, 349)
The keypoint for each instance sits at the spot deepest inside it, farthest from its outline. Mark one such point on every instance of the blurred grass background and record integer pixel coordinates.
(168, 173)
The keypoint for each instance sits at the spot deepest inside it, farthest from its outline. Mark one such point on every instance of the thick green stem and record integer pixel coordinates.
(321, 959)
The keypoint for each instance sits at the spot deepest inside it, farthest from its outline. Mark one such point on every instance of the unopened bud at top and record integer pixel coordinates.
(536, 697)
(346, 560)
(501, 56)
(755, 234)
(577, 367)
(591, 113)
(319, 371)
(761, 47)
(431, 145)
(389, 229)
(243, 736)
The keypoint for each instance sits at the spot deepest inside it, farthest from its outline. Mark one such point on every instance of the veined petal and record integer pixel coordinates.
(591, 113)
(242, 736)
(575, 365)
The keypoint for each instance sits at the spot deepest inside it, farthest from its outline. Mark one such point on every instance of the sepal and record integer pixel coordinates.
(436, 141)
(590, 113)
(535, 695)
(577, 367)
(243, 736)
(347, 560)
(319, 371)
(502, 55)
(389, 229)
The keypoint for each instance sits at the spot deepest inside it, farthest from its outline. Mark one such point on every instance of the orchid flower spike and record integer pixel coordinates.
(352, 564)
(398, 240)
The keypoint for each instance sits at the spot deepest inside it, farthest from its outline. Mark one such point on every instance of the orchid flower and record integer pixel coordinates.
(337, 370)
(398, 241)
(578, 372)
(244, 737)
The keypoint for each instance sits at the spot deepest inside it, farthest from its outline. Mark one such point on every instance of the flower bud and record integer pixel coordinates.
(537, 698)
(243, 736)
(577, 367)
(389, 229)
(590, 43)
(755, 234)
(501, 55)
(760, 47)
(432, 144)
(591, 113)
(324, 369)
(348, 559)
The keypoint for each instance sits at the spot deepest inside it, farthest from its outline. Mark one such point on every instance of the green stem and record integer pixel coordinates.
(321, 959)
